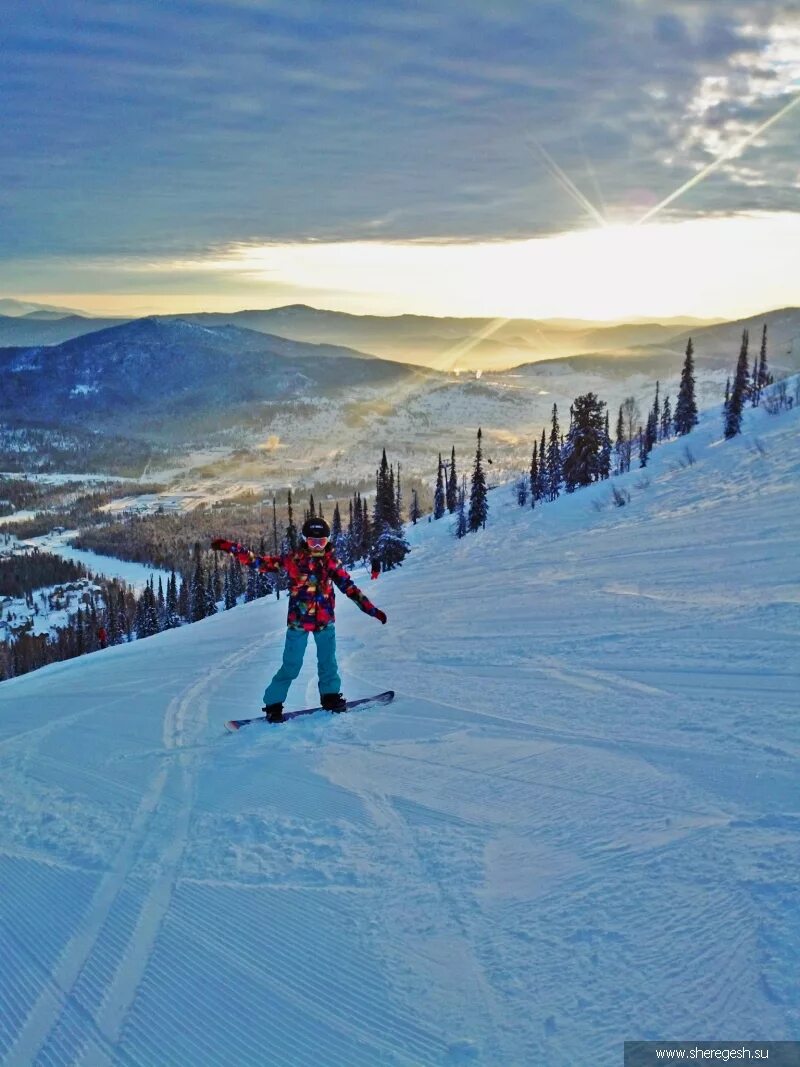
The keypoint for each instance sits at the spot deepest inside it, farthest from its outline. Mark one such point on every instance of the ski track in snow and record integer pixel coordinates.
(578, 823)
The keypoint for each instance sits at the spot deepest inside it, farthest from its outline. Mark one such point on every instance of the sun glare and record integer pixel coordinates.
(715, 266)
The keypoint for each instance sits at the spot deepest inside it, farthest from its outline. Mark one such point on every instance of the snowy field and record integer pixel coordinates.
(579, 822)
(135, 575)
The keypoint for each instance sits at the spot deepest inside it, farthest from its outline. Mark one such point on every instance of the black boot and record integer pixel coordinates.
(333, 702)
(274, 712)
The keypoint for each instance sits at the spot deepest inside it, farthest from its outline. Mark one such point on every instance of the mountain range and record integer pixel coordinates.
(440, 343)
(274, 407)
(170, 379)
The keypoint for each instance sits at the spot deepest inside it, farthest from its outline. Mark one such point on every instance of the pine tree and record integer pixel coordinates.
(263, 578)
(197, 599)
(290, 537)
(146, 613)
(461, 511)
(543, 487)
(217, 580)
(349, 539)
(650, 437)
(414, 514)
(605, 451)
(478, 495)
(452, 484)
(738, 392)
(583, 447)
(554, 473)
(534, 474)
(389, 546)
(275, 546)
(685, 418)
(251, 587)
(653, 419)
(161, 606)
(211, 603)
(438, 494)
(339, 538)
(666, 420)
(366, 532)
(355, 531)
(312, 511)
(619, 443)
(114, 628)
(185, 599)
(228, 593)
(641, 445)
(761, 375)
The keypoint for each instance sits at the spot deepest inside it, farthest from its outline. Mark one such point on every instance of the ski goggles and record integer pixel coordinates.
(317, 542)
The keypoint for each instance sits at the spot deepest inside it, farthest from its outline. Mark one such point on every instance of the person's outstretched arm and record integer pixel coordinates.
(351, 590)
(246, 557)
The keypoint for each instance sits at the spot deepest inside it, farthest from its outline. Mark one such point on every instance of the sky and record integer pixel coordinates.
(452, 157)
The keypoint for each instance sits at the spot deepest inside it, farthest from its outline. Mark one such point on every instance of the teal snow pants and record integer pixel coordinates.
(293, 652)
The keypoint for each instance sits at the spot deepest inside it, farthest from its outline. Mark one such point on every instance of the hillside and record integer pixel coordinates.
(171, 378)
(577, 824)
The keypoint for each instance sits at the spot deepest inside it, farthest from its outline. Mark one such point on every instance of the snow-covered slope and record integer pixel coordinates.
(578, 823)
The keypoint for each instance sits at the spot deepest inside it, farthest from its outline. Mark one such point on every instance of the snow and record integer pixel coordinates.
(578, 823)
(135, 575)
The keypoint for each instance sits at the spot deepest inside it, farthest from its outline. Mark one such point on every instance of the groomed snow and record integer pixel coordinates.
(579, 822)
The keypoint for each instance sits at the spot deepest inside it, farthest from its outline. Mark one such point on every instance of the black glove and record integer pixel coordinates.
(380, 615)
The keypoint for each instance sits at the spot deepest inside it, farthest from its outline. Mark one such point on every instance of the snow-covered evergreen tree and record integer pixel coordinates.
(228, 594)
(543, 487)
(584, 444)
(211, 600)
(366, 532)
(451, 496)
(461, 511)
(665, 430)
(439, 500)
(605, 450)
(290, 538)
(478, 496)
(389, 546)
(619, 443)
(534, 474)
(685, 418)
(251, 587)
(761, 374)
(738, 392)
(263, 578)
(554, 473)
(414, 513)
(197, 596)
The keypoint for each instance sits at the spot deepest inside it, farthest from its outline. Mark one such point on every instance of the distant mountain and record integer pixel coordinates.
(446, 343)
(48, 327)
(174, 378)
(443, 343)
(10, 306)
(716, 348)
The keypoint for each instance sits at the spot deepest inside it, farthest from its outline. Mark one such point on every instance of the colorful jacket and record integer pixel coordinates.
(311, 593)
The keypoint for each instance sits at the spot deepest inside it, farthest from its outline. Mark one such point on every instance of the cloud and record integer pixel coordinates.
(144, 128)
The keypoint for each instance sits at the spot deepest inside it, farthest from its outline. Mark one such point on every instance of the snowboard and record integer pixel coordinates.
(382, 698)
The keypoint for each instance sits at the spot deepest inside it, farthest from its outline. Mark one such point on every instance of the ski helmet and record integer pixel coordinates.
(316, 528)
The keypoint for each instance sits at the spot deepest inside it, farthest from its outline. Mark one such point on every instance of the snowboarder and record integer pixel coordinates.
(311, 568)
